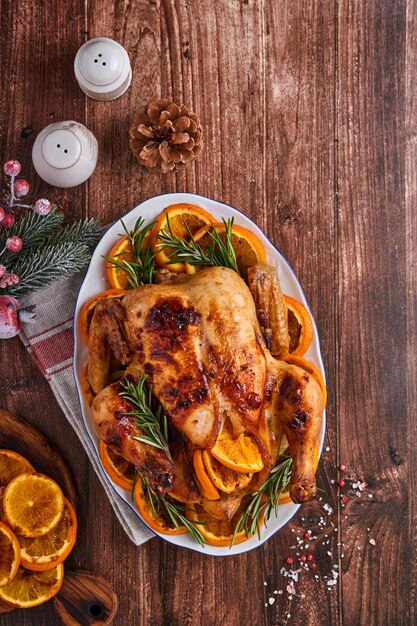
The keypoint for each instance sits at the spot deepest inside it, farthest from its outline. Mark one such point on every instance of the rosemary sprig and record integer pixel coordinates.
(220, 253)
(153, 423)
(140, 270)
(273, 488)
(172, 510)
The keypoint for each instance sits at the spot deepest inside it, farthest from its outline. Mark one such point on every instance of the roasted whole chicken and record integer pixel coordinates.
(205, 341)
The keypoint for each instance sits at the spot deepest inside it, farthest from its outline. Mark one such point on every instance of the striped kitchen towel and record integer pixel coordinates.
(50, 343)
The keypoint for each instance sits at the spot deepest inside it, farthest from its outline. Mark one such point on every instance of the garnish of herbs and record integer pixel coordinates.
(172, 510)
(180, 250)
(140, 270)
(152, 422)
(258, 508)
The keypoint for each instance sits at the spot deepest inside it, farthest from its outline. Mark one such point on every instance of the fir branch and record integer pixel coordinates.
(172, 510)
(153, 424)
(87, 232)
(47, 264)
(33, 229)
(140, 270)
(220, 253)
(273, 488)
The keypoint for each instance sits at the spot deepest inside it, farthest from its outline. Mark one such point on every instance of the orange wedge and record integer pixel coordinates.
(155, 520)
(33, 504)
(300, 326)
(11, 465)
(122, 251)
(224, 478)
(9, 555)
(299, 361)
(119, 470)
(208, 489)
(215, 532)
(88, 309)
(29, 589)
(241, 455)
(180, 217)
(44, 553)
(248, 248)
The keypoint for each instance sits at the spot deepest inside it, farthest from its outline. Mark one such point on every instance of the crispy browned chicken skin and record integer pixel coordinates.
(199, 341)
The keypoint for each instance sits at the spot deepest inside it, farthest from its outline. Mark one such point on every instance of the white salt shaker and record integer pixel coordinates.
(65, 154)
(102, 69)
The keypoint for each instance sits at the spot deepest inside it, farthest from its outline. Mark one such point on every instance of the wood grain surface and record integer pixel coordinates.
(310, 129)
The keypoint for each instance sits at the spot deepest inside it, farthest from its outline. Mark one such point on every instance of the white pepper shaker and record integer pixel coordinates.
(65, 154)
(102, 69)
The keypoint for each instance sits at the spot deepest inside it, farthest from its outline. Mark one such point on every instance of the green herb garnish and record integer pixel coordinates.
(140, 270)
(153, 423)
(273, 488)
(173, 511)
(220, 253)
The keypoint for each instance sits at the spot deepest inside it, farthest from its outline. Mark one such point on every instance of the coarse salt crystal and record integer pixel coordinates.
(332, 481)
(275, 592)
(370, 495)
(327, 508)
(271, 600)
(327, 448)
(329, 553)
(372, 542)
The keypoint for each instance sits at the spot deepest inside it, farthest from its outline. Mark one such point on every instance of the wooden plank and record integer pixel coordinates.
(371, 324)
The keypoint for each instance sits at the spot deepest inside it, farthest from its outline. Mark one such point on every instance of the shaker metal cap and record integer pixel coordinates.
(65, 154)
(102, 69)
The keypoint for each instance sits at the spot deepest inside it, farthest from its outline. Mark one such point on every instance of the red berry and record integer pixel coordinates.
(8, 220)
(344, 499)
(310, 557)
(9, 320)
(289, 560)
(342, 467)
(14, 279)
(341, 483)
(21, 187)
(2, 214)
(12, 168)
(303, 558)
(14, 244)
(3, 272)
(3, 284)
(312, 566)
(307, 535)
(42, 206)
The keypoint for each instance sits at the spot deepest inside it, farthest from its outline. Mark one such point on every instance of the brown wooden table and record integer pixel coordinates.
(310, 128)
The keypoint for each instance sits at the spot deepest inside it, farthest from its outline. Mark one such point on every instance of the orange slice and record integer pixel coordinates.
(119, 470)
(44, 553)
(9, 555)
(300, 326)
(88, 309)
(121, 251)
(180, 217)
(248, 248)
(224, 478)
(155, 520)
(208, 490)
(299, 361)
(29, 589)
(11, 465)
(216, 532)
(33, 504)
(241, 455)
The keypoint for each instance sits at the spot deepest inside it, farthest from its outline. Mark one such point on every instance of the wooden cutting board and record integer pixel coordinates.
(84, 598)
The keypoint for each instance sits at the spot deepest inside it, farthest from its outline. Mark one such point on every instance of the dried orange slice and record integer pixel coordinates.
(215, 532)
(29, 589)
(180, 217)
(299, 361)
(224, 478)
(300, 326)
(154, 519)
(43, 553)
(241, 455)
(119, 470)
(208, 489)
(33, 504)
(11, 465)
(88, 309)
(248, 248)
(9, 555)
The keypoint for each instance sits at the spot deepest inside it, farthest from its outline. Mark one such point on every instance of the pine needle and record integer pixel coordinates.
(87, 232)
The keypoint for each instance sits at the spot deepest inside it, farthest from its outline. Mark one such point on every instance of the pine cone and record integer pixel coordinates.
(166, 136)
